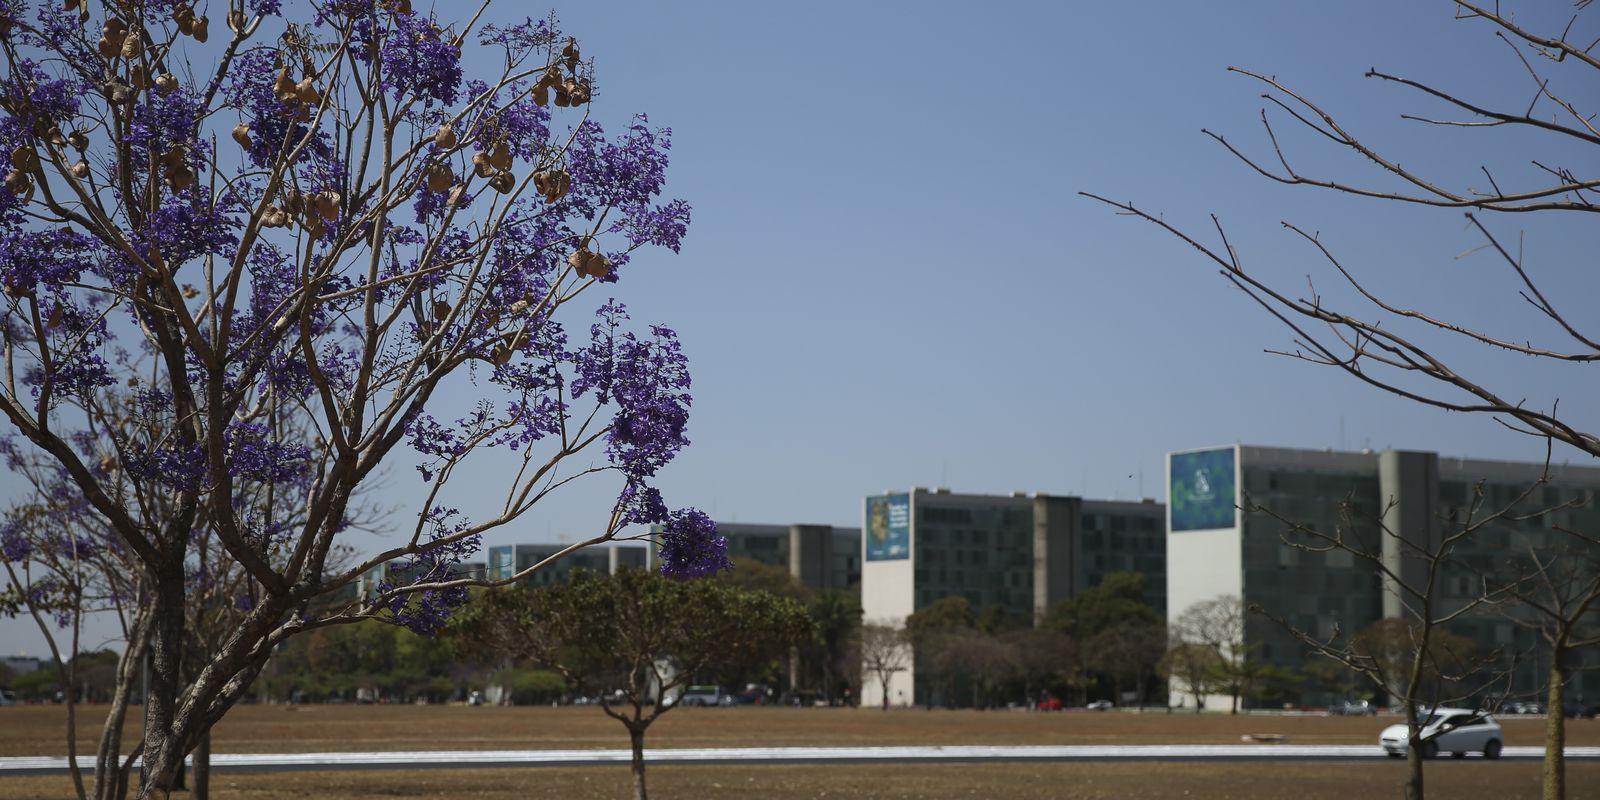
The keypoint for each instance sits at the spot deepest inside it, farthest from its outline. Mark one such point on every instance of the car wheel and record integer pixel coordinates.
(1492, 749)
(1430, 750)
(1458, 754)
(1397, 755)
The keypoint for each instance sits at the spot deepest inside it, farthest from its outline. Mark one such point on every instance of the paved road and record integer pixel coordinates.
(43, 765)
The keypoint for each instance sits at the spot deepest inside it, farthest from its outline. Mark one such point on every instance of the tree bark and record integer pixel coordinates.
(162, 754)
(200, 780)
(1555, 728)
(636, 736)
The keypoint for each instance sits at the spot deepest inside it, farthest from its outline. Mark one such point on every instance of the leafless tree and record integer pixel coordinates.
(1390, 344)
(1218, 623)
(884, 651)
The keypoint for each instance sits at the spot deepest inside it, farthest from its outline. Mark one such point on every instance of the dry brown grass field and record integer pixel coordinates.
(39, 730)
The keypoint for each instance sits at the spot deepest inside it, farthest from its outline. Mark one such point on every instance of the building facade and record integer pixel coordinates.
(1237, 527)
(1018, 552)
(507, 560)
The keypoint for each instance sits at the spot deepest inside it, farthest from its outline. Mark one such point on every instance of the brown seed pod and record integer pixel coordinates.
(282, 86)
(184, 16)
(305, 92)
(457, 193)
(300, 113)
(571, 50)
(174, 157)
(563, 99)
(294, 201)
(118, 91)
(481, 166)
(599, 266)
(580, 92)
(313, 225)
(69, 5)
(541, 95)
(180, 178)
(274, 217)
(55, 138)
(440, 177)
(109, 48)
(202, 29)
(503, 182)
(80, 170)
(441, 309)
(402, 6)
(328, 205)
(236, 21)
(79, 140)
(24, 157)
(167, 83)
(579, 260)
(500, 356)
(115, 27)
(500, 156)
(54, 320)
(132, 46)
(241, 134)
(539, 179)
(18, 182)
(519, 307)
(139, 76)
(189, 292)
(446, 137)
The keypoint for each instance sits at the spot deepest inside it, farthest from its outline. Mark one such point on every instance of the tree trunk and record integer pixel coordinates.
(1555, 729)
(200, 780)
(636, 736)
(162, 754)
(1413, 784)
(883, 681)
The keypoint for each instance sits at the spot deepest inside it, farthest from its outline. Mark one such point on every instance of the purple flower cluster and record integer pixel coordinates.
(254, 454)
(427, 611)
(649, 379)
(521, 37)
(691, 546)
(641, 505)
(418, 61)
(51, 258)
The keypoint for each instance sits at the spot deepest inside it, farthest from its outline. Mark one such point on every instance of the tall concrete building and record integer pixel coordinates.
(820, 556)
(509, 559)
(1020, 552)
(1380, 502)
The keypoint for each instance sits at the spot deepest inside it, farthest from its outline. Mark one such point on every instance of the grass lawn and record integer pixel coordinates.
(39, 730)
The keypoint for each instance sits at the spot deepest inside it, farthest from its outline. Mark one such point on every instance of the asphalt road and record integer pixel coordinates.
(246, 762)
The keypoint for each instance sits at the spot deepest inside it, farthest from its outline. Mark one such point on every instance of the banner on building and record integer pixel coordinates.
(888, 527)
(1202, 490)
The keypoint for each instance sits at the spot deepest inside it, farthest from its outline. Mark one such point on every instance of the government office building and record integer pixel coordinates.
(1019, 552)
(1382, 502)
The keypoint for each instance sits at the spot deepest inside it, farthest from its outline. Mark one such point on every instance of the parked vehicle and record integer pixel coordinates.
(1101, 705)
(1457, 731)
(1352, 708)
(705, 696)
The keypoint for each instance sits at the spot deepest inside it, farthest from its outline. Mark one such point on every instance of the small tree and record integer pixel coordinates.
(1219, 623)
(635, 638)
(885, 650)
(1193, 665)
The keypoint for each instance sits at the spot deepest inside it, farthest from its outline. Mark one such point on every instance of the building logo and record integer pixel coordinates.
(1202, 495)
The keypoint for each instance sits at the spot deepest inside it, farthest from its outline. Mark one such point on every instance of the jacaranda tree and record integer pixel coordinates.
(250, 247)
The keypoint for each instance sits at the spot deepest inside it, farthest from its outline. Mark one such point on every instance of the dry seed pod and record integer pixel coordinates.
(300, 113)
(305, 92)
(503, 182)
(167, 83)
(571, 50)
(180, 178)
(457, 193)
(202, 27)
(274, 217)
(109, 48)
(55, 138)
(174, 157)
(184, 16)
(18, 183)
(500, 356)
(24, 158)
(579, 260)
(541, 95)
(327, 204)
(539, 183)
(580, 92)
(599, 266)
(441, 309)
(282, 87)
(80, 170)
(439, 178)
(563, 99)
(402, 6)
(79, 140)
(294, 201)
(236, 21)
(480, 165)
(241, 134)
(500, 156)
(132, 46)
(189, 292)
(54, 320)
(519, 307)
(314, 226)
(69, 5)
(446, 137)
(118, 91)
(139, 76)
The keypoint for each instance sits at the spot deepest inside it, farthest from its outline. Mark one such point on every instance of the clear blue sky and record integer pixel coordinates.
(891, 281)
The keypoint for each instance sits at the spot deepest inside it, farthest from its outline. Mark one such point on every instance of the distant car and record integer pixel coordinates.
(1352, 708)
(705, 696)
(8, 697)
(1457, 731)
(1050, 704)
(1101, 705)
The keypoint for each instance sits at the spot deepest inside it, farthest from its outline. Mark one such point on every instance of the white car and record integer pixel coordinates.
(1457, 731)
